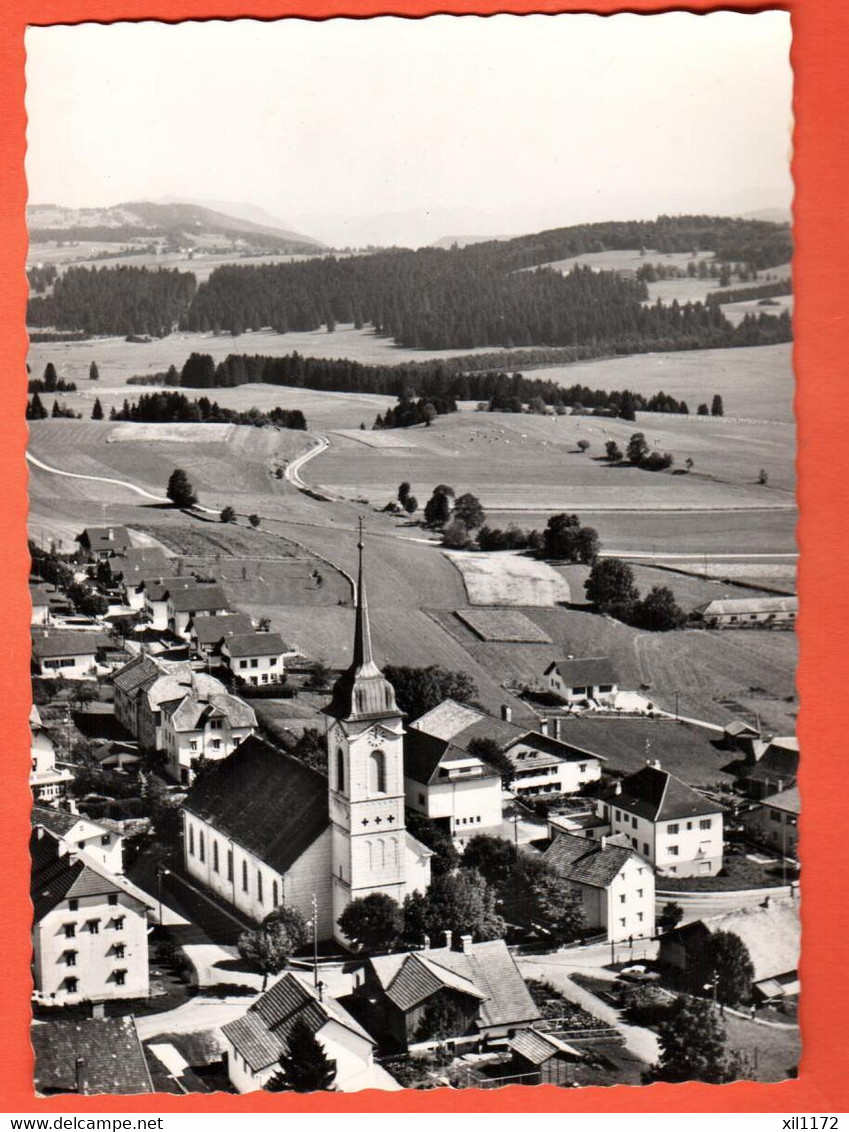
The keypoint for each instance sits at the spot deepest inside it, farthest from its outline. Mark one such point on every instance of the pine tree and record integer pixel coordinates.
(693, 1047)
(97, 411)
(716, 409)
(93, 374)
(305, 1066)
(50, 378)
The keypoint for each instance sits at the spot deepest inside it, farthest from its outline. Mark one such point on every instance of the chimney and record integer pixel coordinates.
(617, 787)
(78, 1073)
(653, 763)
(506, 713)
(449, 936)
(426, 945)
(98, 1010)
(466, 941)
(603, 841)
(110, 534)
(543, 726)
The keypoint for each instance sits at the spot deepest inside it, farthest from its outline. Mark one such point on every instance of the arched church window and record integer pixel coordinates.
(377, 773)
(340, 770)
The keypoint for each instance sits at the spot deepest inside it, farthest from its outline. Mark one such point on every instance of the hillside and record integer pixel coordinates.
(176, 222)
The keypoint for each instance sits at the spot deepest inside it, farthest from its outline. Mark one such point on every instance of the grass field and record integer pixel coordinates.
(509, 579)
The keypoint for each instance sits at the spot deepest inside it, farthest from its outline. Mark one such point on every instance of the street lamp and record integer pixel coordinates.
(160, 873)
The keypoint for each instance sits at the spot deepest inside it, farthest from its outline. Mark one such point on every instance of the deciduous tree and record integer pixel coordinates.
(693, 1047)
(180, 490)
(611, 585)
(373, 922)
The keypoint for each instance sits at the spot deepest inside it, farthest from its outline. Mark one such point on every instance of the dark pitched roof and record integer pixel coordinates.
(779, 760)
(584, 671)
(423, 754)
(140, 672)
(537, 1048)
(139, 562)
(255, 644)
(110, 1053)
(57, 821)
(210, 629)
(106, 538)
(270, 803)
(156, 587)
(66, 642)
(191, 598)
(586, 862)
(657, 795)
(262, 1034)
(786, 800)
(507, 734)
(56, 877)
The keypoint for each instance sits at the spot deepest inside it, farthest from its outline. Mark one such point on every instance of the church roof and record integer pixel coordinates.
(362, 692)
(270, 803)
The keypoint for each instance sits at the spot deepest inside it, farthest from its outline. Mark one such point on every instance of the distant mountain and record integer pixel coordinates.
(773, 215)
(252, 213)
(177, 222)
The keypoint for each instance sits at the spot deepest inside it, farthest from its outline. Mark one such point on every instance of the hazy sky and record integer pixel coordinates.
(413, 129)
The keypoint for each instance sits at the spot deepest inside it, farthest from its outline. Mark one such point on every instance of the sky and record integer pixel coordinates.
(390, 130)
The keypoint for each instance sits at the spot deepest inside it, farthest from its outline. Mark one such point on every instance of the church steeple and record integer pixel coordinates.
(362, 691)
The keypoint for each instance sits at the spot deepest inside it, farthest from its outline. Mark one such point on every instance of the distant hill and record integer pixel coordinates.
(772, 215)
(464, 241)
(181, 223)
(252, 213)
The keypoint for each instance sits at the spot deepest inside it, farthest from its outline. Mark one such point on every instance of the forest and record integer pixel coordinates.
(168, 408)
(115, 300)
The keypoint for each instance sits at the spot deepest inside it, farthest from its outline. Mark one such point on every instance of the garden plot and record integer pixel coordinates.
(509, 579)
(503, 625)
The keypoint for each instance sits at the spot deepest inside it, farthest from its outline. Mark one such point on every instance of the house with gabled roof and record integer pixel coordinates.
(481, 985)
(776, 769)
(144, 684)
(677, 829)
(748, 612)
(615, 883)
(542, 764)
(39, 596)
(79, 834)
(183, 603)
(256, 658)
(65, 652)
(774, 821)
(207, 631)
(89, 1057)
(578, 680)
(450, 786)
(47, 780)
(151, 595)
(255, 1042)
(202, 725)
(102, 542)
(89, 932)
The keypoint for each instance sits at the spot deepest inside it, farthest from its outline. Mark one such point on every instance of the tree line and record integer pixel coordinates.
(742, 294)
(41, 277)
(115, 300)
(174, 407)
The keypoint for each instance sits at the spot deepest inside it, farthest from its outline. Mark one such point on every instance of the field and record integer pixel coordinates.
(509, 579)
(503, 625)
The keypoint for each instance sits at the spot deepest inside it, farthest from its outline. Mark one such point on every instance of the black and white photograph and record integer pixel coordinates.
(411, 474)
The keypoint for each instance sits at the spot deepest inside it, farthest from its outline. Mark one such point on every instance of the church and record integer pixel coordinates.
(260, 828)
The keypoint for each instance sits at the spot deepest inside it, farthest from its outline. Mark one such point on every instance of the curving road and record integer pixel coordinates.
(96, 479)
(292, 473)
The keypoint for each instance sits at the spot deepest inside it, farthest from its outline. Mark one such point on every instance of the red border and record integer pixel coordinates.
(821, 168)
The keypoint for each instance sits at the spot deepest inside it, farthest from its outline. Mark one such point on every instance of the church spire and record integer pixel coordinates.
(362, 633)
(362, 691)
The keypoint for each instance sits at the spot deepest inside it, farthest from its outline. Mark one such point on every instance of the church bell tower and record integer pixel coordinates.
(365, 764)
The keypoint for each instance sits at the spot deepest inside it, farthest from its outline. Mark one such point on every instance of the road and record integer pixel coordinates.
(96, 479)
(292, 473)
(700, 905)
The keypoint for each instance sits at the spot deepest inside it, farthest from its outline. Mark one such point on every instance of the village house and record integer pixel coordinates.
(39, 596)
(261, 828)
(89, 935)
(207, 631)
(541, 764)
(146, 683)
(748, 613)
(185, 602)
(101, 543)
(774, 821)
(453, 788)
(771, 932)
(89, 1057)
(776, 769)
(673, 826)
(65, 652)
(151, 595)
(254, 1043)
(76, 833)
(481, 985)
(202, 725)
(256, 658)
(616, 884)
(130, 568)
(47, 781)
(581, 680)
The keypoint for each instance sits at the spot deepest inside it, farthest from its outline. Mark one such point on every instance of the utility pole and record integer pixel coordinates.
(314, 941)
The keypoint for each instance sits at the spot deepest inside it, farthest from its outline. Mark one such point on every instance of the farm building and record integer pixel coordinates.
(450, 786)
(669, 823)
(89, 1057)
(64, 652)
(256, 658)
(540, 1058)
(774, 821)
(741, 736)
(578, 680)
(254, 1043)
(481, 984)
(207, 631)
(542, 765)
(771, 932)
(616, 884)
(47, 781)
(101, 543)
(748, 613)
(777, 768)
